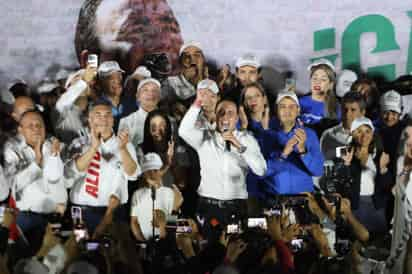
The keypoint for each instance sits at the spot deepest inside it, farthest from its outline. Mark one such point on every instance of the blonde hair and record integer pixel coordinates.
(330, 99)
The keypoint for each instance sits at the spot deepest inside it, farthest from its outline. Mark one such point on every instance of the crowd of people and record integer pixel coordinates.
(205, 172)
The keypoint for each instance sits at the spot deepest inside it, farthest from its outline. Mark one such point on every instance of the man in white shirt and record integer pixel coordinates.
(35, 172)
(72, 105)
(182, 87)
(100, 167)
(148, 96)
(165, 200)
(226, 156)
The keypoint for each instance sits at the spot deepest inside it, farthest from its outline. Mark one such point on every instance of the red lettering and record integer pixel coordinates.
(93, 172)
(95, 165)
(97, 156)
(92, 190)
(93, 182)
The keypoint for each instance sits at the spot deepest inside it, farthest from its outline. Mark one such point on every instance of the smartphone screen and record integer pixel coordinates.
(92, 60)
(257, 222)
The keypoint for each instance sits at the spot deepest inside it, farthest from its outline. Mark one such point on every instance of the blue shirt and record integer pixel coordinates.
(313, 111)
(293, 174)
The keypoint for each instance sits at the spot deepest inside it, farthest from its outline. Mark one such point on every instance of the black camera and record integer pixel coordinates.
(333, 181)
(158, 64)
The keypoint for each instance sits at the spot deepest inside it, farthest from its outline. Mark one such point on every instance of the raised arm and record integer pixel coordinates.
(188, 130)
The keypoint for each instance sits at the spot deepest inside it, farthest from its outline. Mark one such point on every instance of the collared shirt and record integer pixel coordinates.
(35, 188)
(134, 124)
(105, 175)
(223, 172)
(332, 138)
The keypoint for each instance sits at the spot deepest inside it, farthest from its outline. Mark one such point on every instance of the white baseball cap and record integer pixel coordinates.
(248, 60)
(148, 80)
(361, 121)
(62, 74)
(151, 161)
(108, 67)
(189, 44)
(208, 84)
(391, 101)
(142, 71)
(322, 61)
(345, 81)
(46, 87)
(288, 94)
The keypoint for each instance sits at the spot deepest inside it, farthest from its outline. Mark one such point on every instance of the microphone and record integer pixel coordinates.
(153, 193)
(225, 128)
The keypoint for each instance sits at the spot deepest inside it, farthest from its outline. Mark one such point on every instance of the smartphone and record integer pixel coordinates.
(92, 245)
(272, 212)
(296, 245)
(232, 229)
(76, 213)
(257, 222)
(92, 60)
(2, 209)
(341, 151)
(80, 233)
(183, 226)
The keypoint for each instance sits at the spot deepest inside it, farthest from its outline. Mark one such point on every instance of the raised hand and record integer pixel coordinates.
(384, 161)
(95, 139)
(243, 118)
(301, 137)
(228, 136)
(55, 147)
(123, 138)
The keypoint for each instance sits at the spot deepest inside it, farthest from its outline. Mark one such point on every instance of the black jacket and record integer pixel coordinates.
(383, 182)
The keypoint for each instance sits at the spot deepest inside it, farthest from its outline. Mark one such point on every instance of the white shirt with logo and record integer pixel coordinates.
(105, 175)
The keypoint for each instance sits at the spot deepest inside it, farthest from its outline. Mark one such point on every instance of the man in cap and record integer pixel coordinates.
(71, 108)
(209, 94)
(247, 72)
(110, 81)
(353, 106)
(165, 199)
(296, 157)
(148, 96)
(226, 155)
(193, 69)
(100, 166)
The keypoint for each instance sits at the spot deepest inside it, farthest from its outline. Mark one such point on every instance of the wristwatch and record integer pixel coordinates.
(242, 149)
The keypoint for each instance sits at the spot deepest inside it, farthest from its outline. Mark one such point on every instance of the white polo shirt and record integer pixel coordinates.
(142, 207)
(35, 188)
(223, 173)
(105, 175)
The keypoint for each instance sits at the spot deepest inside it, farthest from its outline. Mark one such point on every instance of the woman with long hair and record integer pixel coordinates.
(321, 102)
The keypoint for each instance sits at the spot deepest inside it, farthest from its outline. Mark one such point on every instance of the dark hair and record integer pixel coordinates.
(148, 144)
(227, 99)
(100, 102)
(35, 111)
(354, 97)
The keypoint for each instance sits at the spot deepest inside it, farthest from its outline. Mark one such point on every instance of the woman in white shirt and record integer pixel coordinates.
(367, 165)
(147, 219)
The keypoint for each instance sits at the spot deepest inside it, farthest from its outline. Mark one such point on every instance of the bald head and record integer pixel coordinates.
(22, 105)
